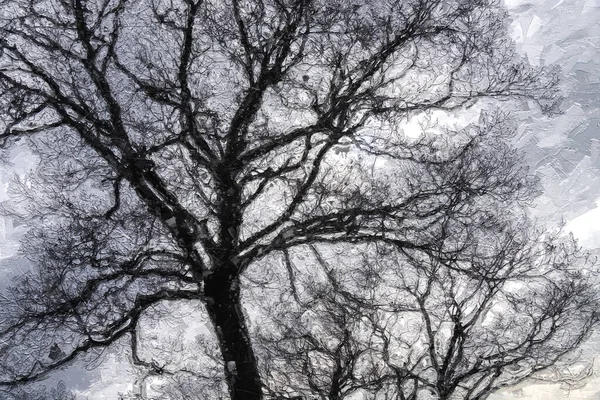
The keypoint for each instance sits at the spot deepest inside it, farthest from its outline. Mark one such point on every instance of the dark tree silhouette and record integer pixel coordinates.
(39, 393)
(183, 143)
(421, 327)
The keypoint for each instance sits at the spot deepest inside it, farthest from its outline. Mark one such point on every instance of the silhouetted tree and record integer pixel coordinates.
(419, 326)
(183, 142)
(39, 393)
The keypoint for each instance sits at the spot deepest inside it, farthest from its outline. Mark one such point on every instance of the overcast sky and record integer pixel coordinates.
(565, 150)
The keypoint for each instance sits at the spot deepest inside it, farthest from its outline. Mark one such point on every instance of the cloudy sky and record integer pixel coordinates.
(564, 151)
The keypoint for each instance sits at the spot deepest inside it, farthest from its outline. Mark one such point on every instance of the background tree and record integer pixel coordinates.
(182, 143)
(39, 393)
(426, 327)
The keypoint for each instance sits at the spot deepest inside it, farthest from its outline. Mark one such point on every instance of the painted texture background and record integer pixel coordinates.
(564, 151)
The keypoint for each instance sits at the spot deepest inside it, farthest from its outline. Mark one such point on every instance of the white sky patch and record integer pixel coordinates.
(514, 3)
(413, 128)
(535, 24)
(586, 227)
(16, 162)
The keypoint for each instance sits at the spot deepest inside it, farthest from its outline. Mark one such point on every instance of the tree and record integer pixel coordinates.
(183, 142)
(427, 327)
(58, 393)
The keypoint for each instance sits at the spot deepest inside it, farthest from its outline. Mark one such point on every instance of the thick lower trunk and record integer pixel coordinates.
(225, 311)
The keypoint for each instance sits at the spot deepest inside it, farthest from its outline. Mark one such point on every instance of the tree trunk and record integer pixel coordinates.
(224, 308)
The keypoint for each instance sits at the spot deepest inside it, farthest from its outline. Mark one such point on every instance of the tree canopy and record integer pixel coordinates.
(259, 162)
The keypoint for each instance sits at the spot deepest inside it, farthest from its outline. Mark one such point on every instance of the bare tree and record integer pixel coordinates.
(426, 327)
(39, 393)
(182, 142)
